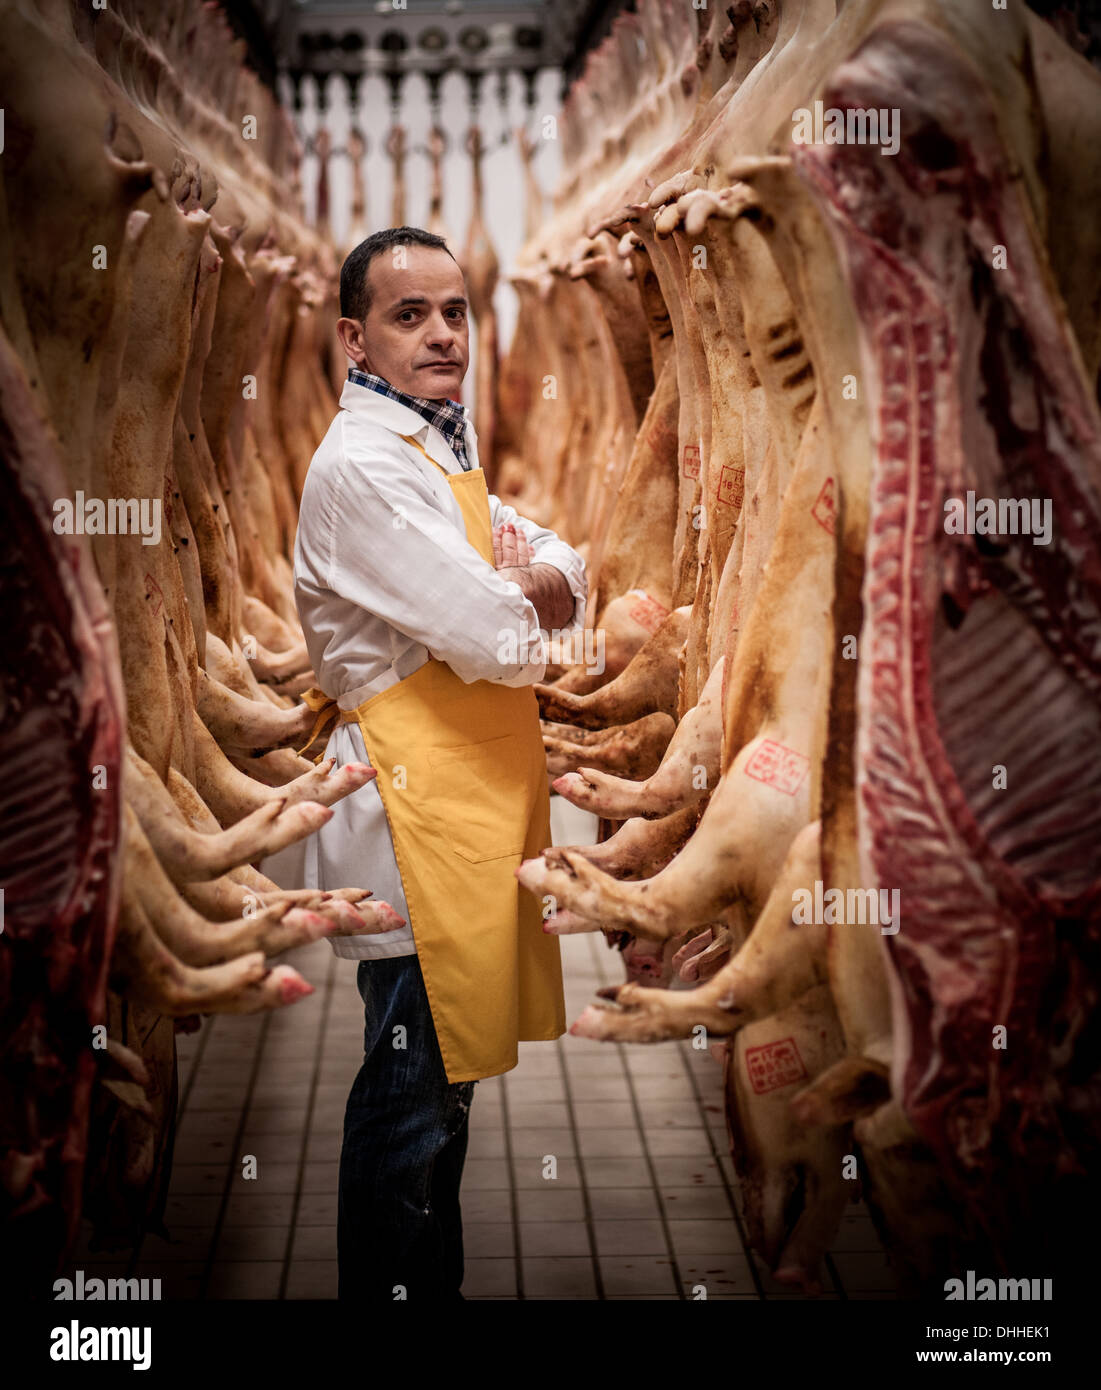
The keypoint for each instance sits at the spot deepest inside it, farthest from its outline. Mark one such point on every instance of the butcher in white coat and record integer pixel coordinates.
(401, 598)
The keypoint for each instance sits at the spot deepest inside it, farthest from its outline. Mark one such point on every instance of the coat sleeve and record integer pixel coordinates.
(549, 550)
(393, 553)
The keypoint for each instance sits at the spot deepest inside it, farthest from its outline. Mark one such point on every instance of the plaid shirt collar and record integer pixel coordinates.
(449, 417)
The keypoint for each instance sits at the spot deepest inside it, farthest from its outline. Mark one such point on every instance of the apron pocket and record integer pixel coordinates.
(481, 794)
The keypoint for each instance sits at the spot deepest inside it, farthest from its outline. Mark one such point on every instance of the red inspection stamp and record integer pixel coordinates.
(824, 510)
(774, 1065)
(646, 611)
(731, 488)
(690, 465)
(777, 766)
(154, 589)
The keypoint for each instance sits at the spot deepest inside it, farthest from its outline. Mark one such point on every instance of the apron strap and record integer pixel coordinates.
(328, 713)
(326, 710)
(469, 490)
(416, 445)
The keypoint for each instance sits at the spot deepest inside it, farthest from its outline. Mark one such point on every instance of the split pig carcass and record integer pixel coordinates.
(163, 382)
(872, 707)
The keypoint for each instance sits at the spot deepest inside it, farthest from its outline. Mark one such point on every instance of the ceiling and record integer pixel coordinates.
(354, 37)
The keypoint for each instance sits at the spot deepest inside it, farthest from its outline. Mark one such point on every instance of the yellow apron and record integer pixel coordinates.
(462, 775)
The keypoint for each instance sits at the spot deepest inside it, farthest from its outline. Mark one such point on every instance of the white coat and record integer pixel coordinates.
(384, 578)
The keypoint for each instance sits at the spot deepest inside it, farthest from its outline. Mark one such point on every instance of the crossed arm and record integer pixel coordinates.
(542, 585)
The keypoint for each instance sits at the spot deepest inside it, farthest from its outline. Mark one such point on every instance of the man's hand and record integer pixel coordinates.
(511, 548)
(542, 585)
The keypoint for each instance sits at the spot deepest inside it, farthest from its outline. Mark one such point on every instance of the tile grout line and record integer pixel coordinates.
(231, 1167)
(586, 1199)
(513, 1201)
(196, 1062)
(296, 1199)
(586, 1203)
(746, 1251)
(663, 1215)
(835, 1275)
(134, 1263)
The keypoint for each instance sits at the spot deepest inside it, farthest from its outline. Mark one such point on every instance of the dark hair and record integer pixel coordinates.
(355, 297)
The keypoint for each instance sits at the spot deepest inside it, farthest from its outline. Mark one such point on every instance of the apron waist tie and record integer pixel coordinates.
(328, 713)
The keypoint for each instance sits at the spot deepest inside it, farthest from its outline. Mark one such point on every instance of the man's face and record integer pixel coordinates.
(416, 334)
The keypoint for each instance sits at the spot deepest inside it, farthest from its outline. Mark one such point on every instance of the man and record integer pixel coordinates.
(422, 600)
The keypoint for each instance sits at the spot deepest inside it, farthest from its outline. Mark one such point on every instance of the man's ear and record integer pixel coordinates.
(350, 332)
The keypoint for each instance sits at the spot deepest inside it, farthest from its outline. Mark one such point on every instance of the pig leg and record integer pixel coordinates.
(688, 772)
(149, 974)
(221, 899)
(188, 853)
(631, 750)
(248, 726)
(778, 962)
(232, 794)
(647, 685)
(735, 854)
(275, 634)
(275, 928)
(274, 769)
(197, 942)
(639, 848)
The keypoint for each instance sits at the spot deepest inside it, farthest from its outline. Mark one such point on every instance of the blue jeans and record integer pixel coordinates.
(405, 1132)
